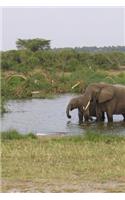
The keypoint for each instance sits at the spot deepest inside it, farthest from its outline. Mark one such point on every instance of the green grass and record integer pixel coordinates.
(57, 162)
(13, 134)
(46, 71)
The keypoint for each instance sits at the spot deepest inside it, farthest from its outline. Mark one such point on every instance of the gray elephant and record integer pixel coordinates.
(107, 97)
(79, 103)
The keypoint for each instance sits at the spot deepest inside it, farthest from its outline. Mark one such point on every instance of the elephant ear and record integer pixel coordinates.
(106, 94)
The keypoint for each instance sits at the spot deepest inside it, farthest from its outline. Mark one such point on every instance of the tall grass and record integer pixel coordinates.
(51, 72)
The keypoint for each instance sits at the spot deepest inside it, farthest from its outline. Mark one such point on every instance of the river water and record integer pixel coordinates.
(48, 116)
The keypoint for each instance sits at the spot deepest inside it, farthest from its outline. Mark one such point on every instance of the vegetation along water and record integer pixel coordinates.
(36, 70)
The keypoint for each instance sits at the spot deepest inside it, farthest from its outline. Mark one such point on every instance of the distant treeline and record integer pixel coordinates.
(63, 59)
(96, 49)
(32, 53)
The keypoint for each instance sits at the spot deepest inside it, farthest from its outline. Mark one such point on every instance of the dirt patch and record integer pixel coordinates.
(10, 186)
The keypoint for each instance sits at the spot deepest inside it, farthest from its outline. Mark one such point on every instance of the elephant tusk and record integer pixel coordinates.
(85, 108)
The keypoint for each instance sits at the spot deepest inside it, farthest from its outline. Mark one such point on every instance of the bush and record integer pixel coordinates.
(33, 61)
(69, 58)
(71, 65)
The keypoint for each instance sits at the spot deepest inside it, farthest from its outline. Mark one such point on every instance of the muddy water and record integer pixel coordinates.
(47, 116)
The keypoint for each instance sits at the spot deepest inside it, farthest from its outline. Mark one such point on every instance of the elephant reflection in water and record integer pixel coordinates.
(99, 98)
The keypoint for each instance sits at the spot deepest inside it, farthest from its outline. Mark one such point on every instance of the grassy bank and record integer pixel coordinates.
(39, 74)
(86, 163)
(43, 74)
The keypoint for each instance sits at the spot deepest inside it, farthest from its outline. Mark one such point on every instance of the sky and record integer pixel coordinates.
(64, 26)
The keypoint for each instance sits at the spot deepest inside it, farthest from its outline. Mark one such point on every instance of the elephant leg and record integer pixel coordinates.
(99, 115)
(80, 116)
(124, 117)
(103, 117)
(110, 117)
(87, 118)
(99, 118)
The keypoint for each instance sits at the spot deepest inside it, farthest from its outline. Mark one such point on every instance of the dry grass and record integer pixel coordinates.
(63, 164)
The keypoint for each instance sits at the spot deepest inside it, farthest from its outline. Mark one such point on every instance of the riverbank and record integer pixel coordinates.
(90, 163)
(39, 74)
(43, 74)
(41, 83)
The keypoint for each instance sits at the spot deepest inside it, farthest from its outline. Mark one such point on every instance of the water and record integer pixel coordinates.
(47, 116)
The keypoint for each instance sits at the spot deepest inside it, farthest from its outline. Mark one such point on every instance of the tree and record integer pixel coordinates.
(33, 44)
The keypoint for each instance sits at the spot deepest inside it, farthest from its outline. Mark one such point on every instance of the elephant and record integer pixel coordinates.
(78, 103)
(109, 98)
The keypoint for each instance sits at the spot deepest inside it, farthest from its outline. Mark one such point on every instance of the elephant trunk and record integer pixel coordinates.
(67, 111)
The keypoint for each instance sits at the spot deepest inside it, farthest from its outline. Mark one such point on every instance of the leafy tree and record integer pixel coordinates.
(33, 44)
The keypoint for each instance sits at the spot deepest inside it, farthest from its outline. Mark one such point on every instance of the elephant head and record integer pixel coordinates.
(98, 93)
(80, 103)
(72, 105)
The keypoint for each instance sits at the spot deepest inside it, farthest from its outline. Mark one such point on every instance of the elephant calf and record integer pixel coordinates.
(80, 103)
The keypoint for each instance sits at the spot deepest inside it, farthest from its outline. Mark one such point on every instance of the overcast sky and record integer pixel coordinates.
(65, 26)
